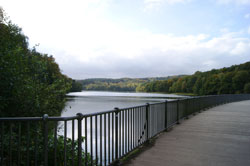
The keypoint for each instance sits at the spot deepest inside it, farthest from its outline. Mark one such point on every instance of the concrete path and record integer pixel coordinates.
(216, 137)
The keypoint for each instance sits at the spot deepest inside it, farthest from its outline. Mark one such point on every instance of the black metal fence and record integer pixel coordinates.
(94, 139)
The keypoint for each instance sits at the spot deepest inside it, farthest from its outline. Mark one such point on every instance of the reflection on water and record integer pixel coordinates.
(95, 101)
(89, 102)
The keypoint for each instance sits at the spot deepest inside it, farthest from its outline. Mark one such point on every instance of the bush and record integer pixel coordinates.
(31, 146)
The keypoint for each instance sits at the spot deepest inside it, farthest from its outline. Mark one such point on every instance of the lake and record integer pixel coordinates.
(96, 101)
(86, 102)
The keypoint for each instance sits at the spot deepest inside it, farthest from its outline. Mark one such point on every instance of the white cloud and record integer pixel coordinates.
(141, 54)
(166, 1)
(247, 16)
(156, 4)
(238, 2)
(248, 31)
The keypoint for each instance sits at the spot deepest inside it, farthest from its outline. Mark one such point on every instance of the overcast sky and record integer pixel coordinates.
(136, 38)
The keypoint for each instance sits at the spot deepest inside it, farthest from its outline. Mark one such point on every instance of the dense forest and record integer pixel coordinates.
(122, 84)
(228, 80)
(31, 82)
(231, 80)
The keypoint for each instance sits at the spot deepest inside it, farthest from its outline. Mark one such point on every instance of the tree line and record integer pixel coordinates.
(231, 80)
(122, 84)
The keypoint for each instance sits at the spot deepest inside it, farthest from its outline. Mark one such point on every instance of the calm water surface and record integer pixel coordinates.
(96, 101)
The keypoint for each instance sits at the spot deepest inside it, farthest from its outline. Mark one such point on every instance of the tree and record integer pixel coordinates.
(247, 88)
(1, 14)
(31, 83)
(226, 83)
(239, 80)
(76, 86)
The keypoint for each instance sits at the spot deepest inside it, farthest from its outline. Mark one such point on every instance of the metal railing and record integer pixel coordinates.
(94, 139)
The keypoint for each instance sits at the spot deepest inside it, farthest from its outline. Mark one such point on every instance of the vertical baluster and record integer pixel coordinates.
(65, 143)
(116, 134)
(55, 144)
(96, 141)
(79, 127)
(36, 142)
(131, 135)
(128, 128)
(113, 139)
(126, 122)
(101, 139)
(155, 120)
(73, 142)
(144, 124)
(166, 114)
(91, 140)
(109, 135)
(134, 127)
(19, 145)
(10, 145)
(28, 144)
(86, 141)
(137, 130)
(120, 135)
(45, 133)
(147, 121)
(139, 126)
(105, 141)
(123, 133)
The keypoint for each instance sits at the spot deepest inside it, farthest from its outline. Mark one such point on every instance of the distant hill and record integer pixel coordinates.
(121, 84)
(227, 80)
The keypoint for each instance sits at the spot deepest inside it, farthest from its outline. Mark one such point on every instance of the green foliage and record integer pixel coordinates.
(35, 148)
(234, 79)
(247, 88)
(239, 80)
(31, 83)
(125, 84)
(76, 86)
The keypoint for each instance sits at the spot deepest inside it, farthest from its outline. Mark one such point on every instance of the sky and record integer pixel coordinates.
(135, 38)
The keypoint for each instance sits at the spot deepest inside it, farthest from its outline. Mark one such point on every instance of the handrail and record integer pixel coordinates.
(100, 138)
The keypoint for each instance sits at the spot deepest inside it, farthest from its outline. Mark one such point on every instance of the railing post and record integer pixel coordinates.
(79, 120)
(166, 115)
(45, 145)
(178, 113)
(147, 120)
(117, 110)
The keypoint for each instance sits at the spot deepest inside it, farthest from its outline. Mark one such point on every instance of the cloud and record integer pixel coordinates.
(238, 2)
(247, 16)
(143, 54)
(156, 4)
(87, 44)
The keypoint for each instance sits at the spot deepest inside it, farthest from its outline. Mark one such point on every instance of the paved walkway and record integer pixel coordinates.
(216, 137)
